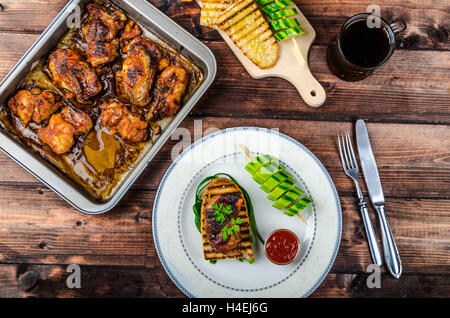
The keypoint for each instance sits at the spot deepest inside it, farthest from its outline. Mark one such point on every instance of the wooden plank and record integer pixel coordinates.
(428, 21)
(29, 16)
(418, 92)
(139, 282)
(412, 159)
(43, 229)
(421, 229)
(408, 286)
(404, 90)
(95, 282)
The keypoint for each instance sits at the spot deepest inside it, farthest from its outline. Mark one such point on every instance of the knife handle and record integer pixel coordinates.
(391, 254)
(370, 232)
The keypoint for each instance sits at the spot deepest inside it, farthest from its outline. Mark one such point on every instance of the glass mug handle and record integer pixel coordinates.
(398, 26)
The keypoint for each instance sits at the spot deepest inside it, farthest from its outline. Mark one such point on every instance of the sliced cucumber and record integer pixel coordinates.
(298, 206)
(275, 180)
(284, 23)
(283, 13)
(265, 172)
(256, 163)
(278, 5)
(280, 189)
(288, 198)
(264, 2)
(289, 33)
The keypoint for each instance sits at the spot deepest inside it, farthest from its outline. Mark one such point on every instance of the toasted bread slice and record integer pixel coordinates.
(247, 28)
(211, 9)
(226, 192)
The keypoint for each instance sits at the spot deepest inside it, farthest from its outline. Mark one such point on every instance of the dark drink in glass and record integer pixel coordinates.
(361, 47)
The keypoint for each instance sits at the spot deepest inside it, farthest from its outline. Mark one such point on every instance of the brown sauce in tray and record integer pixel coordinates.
(99, 160)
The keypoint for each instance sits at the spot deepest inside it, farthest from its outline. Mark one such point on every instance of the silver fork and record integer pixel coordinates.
(351, 169)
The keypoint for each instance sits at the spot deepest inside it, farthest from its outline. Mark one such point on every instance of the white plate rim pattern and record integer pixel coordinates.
(172, 276)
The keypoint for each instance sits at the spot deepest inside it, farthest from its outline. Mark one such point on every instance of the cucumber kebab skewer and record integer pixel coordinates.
(267, 171)
(282, 22)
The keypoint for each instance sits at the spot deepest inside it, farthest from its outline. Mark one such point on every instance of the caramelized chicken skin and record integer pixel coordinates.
(112, 18)
(131, 31)
(152, 49)
(33, 105)
(62, 127)
(78, 119)
(100, 52)
(94, 30)
(100, 31)
(135, 80)
(119, 119)
(70, 72)
(102, 46)
(173, 83)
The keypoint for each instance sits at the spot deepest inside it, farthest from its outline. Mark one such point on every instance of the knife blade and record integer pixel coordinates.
(369, 166)
(372, 178)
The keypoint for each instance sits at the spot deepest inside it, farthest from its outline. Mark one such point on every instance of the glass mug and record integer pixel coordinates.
(359, 49)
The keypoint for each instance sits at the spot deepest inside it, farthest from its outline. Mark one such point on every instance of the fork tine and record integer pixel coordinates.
(349, 140)
(347, 151)
(340, 152)
(349, 166)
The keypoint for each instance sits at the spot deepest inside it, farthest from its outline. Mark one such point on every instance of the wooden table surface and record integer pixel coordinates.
(406, 104)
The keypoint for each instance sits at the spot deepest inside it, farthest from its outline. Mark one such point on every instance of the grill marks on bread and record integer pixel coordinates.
(223, 190)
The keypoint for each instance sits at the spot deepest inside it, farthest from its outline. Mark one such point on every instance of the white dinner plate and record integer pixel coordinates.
(179, 243)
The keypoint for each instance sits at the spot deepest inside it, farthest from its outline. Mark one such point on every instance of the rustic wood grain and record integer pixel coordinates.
(406, 103)
(418, 91)
(428, 21)
(139, 282)
(413, 160)
(355, 285)
(45, 230)
(96, 281)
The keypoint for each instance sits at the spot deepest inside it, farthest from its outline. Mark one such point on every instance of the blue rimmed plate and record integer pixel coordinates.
(179, 244)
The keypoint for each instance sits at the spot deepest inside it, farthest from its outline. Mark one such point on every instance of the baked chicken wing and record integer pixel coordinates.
(152, 49)
(100, 52)
(135, 80)
(94, 30)
(33, 105)
(119, 119)
(173, 83)
(71, 73)
(62, 127)
(102, 46)
(131, 31)
(111, 17)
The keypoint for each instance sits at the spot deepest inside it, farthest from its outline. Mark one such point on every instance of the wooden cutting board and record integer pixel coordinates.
(292, 64)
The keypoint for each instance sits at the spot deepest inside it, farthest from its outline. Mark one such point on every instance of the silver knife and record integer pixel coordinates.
(369, 167)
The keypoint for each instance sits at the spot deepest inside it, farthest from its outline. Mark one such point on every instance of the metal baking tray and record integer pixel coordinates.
(151, 19)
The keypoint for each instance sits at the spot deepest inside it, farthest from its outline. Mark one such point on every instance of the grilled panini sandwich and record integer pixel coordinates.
(247, 28)
(211, 9)
(224, 193)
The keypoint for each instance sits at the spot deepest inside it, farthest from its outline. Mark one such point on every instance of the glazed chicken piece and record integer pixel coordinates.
(70, 72)
(100, 52)
(33, 105)
(131, 31)
(94, 30)
(173, 83)
(112, 18)
(62, 127)
(102, 47)
(135, 80)
(152, 49)
(78, 119)
(119, 119)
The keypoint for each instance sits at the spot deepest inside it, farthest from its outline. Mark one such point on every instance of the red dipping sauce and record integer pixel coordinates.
(282, 247)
